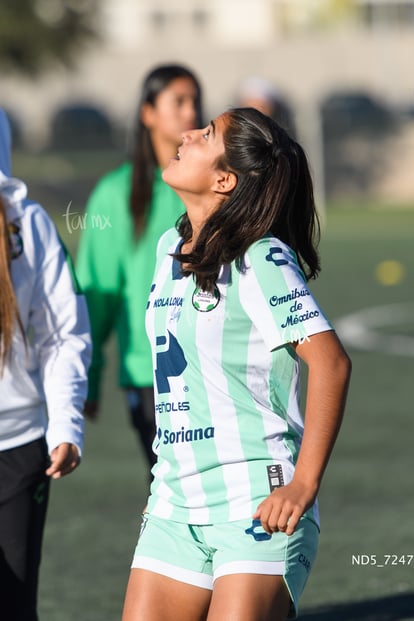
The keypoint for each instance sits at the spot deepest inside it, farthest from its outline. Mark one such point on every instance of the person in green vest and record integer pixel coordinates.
(127, 212)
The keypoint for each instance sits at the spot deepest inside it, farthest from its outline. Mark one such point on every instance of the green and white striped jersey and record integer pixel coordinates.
(226, 382)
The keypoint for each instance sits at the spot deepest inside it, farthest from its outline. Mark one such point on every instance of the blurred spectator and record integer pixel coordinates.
(44, 358)
(256, 92)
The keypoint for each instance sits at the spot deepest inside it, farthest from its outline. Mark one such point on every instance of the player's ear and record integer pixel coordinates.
(225, 182)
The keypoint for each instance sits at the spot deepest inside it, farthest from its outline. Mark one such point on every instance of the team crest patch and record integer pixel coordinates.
(204, 301)
(15, 240)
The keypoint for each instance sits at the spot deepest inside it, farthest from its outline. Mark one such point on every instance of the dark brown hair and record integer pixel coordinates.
(274, 194)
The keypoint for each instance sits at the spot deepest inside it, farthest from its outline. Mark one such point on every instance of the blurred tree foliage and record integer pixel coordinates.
(37, 34)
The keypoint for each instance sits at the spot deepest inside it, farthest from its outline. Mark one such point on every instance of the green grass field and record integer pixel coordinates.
(367, 498)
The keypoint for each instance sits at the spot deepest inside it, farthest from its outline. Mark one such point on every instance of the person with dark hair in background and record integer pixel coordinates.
(115, 262)
(231, 526)
(45, 351)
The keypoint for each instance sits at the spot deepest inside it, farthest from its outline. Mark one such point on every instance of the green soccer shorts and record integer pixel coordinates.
(198, 555)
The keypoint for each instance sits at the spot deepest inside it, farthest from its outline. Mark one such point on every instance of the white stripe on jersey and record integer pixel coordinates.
(228, 453)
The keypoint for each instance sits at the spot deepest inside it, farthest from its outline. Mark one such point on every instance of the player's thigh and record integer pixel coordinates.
(155, 597)
(249, 597)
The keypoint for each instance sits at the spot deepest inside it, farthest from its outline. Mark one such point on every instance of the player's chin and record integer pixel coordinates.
(166, 173)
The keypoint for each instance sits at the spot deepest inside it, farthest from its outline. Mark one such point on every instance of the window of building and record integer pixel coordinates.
(387, 13)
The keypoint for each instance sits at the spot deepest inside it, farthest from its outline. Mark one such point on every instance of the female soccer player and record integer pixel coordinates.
(231, 527)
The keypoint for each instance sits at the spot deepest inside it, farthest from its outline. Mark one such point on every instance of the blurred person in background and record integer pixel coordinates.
(115, 263)
(256, 92)
(44, 359)
(232, 524)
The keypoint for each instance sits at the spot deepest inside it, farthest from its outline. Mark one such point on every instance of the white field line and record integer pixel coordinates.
(362, 329)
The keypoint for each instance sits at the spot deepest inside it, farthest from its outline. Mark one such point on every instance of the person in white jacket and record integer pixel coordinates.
(45, 350)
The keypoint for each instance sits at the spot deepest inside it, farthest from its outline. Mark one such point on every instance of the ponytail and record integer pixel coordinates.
(9, 312)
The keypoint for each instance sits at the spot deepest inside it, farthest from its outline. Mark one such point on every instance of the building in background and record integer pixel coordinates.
(311, 50)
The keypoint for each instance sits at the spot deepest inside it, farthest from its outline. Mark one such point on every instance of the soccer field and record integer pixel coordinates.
(365, 566)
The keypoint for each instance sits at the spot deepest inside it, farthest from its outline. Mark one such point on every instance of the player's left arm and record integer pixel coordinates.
(329, 370)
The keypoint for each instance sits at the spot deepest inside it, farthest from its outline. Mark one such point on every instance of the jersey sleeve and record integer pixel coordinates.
(275, 295)
(165, 242)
